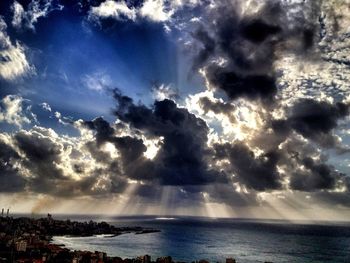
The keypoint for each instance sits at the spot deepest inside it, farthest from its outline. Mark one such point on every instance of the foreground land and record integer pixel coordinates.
(28, 240)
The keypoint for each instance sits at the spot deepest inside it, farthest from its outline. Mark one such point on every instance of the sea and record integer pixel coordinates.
(189, 239)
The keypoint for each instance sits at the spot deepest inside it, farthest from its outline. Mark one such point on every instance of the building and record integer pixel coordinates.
(144, 259)
(164, 260)
(230, 260)
(21, 245)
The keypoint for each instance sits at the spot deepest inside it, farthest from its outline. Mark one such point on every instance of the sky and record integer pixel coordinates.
(219, 108)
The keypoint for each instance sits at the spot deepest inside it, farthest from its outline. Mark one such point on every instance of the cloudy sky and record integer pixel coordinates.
(221, 108)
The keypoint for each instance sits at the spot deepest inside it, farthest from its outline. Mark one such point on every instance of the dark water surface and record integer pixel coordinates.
(189, 239)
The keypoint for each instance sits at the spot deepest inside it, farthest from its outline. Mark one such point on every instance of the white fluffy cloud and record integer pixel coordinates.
(46, 106)
(156, 10)
(14, 111)
(153, 10)
(36, 9)
(112, 9)
(13, 60)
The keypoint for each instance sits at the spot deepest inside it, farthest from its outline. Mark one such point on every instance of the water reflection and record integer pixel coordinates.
(215, 240)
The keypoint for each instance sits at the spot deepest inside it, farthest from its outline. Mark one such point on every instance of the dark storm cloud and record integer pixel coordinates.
(113, 166)
(132, 161)
(183, 156)
(236, 85)
(229, 35)
(339, 199)
(43, 168)
(314, 120)
(42, 154)
(315, 176)
(304, 165)
(217, 107)
(100, 156)
(103, 129)
(249, 45)
(307, 168)
(135, 164)
(10, 180)
(282, 147)
(178, 127)
(183, 160)
(257, 30)
(258, 173)
(208, 47)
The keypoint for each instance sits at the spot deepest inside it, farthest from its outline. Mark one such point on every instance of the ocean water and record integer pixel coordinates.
(189, 239)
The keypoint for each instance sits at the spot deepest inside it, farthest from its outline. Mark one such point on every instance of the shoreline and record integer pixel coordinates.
(244, 241)
(26, 239)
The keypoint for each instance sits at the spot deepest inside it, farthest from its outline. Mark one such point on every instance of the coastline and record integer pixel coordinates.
(26, 239)
(190, 239)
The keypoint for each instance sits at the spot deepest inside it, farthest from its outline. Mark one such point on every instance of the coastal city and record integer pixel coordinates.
(28, 240)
